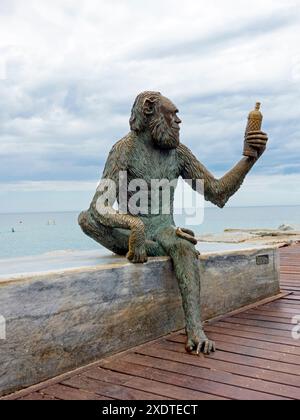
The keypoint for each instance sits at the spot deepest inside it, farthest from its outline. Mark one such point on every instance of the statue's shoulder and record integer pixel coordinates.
(183, 153)
(119, 155)
(123, 146)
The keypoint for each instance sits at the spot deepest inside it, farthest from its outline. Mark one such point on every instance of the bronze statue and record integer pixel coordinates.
(152, 150)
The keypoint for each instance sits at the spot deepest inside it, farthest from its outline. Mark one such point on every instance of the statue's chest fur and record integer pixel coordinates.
(153, 164)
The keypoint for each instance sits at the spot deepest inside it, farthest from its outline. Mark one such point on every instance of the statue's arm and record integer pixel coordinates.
(217, 191)
(106, 196)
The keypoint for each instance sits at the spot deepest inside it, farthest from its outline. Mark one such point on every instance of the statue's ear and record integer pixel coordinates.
(149, 106)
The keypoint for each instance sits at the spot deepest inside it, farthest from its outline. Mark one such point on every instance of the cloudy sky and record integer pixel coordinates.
(70, 70)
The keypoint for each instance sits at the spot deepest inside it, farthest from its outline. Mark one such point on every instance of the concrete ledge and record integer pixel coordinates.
(63, 319)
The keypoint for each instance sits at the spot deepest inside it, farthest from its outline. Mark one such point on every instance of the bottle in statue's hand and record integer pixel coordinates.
(254, 124)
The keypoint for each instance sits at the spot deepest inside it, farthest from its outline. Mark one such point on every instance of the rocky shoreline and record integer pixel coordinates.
(285, 235)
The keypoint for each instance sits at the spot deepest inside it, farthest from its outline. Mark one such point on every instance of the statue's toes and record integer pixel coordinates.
(140, 259)
(188, 231)
(198, 347)
(183, 235)
(206, 347)
(191, 345)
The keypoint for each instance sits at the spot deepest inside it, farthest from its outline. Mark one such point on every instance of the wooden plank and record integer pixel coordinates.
(282, 306)
(172, 391)
(293, 298)
(291, 257)
(63, 392)
(290, 283)
(246, 357)
(284, 303)
(243, 382)
(109, 375)
(265, 324)
(283, 309)
(257, 317)
(290, 280)
(234, 346)
(290, 286)
(188, 382)
(257, 340)
(289, 304)
(217, 365)
(261, 330)
(291, 301)
(248, 307)
(289, 254)
(283, 313)
(290, 289)
(148, 380)
(290, 277)
(37, 396)
(287, 263)
(109, 390)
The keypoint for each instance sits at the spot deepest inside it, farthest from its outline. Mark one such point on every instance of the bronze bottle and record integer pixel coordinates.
(254, 124)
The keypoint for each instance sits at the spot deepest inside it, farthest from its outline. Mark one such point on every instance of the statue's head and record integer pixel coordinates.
(155, 113)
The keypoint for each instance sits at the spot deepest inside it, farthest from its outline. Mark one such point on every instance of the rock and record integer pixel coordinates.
(286, 228)
(232, 237)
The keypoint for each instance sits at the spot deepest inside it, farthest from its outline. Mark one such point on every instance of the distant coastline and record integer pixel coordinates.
(206, 207)
(26, 234)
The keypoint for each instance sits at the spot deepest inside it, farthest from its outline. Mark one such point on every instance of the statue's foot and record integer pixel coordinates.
(199, 343)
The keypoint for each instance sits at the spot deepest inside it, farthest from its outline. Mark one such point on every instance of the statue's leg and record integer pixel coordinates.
(185, 258)
(114, 239)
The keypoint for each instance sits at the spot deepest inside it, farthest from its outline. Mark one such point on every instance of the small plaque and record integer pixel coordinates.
(263, 260)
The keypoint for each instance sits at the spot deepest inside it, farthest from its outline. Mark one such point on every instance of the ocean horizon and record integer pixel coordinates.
(35, 233)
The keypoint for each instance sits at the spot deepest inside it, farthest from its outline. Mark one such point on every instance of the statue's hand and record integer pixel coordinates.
(137, 247)
(258, 140)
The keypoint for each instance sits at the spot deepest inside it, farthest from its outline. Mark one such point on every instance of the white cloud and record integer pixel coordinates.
(257, 190)
(70, 70)
(268, 190)
(49, 186)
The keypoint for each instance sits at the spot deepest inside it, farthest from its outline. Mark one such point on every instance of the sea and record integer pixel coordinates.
(26, 234)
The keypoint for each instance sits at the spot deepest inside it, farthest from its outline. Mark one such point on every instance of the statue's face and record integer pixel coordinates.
(165, 125)
(170, 111)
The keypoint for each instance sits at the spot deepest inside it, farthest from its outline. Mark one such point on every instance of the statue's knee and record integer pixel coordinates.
(82, 219)
(86, 222)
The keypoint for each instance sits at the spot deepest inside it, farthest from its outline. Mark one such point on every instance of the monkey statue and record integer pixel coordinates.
(152, 150)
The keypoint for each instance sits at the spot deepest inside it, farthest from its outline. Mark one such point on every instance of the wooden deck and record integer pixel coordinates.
(257, 358)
